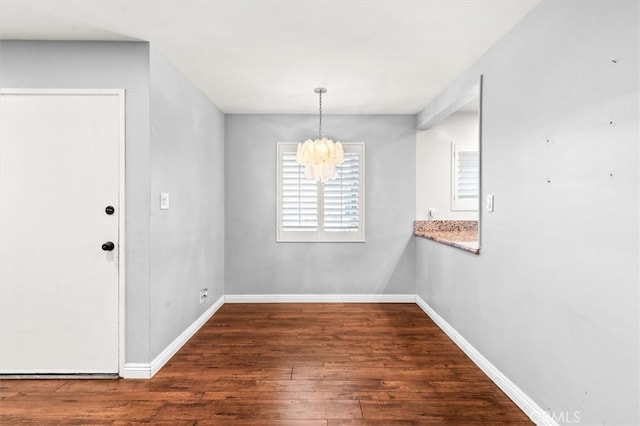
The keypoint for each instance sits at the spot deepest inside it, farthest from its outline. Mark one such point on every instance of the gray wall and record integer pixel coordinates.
(553, 298)
(117, 65)
(175, 144)
(187, 240)
(256, 264)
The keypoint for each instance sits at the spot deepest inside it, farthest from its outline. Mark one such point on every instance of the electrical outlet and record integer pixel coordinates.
(204, 293)
(432, 213)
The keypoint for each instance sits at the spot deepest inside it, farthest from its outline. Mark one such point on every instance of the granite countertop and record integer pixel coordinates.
(457, 233)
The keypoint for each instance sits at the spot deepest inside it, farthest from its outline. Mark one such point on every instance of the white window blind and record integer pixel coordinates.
(465, 177)
(342, 196)
(299, 197)
(311, 211)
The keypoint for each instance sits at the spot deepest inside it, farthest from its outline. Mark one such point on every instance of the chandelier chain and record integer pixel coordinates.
(320, 124)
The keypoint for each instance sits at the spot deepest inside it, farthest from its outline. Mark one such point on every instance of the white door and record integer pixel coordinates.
(59, 170)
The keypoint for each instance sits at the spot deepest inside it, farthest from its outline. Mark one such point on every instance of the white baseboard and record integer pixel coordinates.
(320, 298)
(521, 399)
(148, 370)
(136, 370)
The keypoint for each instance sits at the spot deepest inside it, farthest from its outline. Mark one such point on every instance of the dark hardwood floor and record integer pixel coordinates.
(286, 364)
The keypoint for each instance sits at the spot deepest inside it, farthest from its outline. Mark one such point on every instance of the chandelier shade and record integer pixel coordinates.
(320, 157)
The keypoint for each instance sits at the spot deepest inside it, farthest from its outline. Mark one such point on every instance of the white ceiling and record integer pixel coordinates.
(374, 57)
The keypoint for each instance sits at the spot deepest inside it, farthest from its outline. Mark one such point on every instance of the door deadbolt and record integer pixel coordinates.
(108, 246)
(109, 210)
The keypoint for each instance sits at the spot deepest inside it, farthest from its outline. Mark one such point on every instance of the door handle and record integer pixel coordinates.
(108, 246)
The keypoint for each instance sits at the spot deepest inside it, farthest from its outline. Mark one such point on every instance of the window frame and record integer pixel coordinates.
(321, 235)
(458, 204)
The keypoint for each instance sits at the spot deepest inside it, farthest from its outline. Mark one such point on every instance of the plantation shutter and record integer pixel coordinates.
(341, 196)
(322, 212)
(299, 196)
(466, 177)
(467, 174)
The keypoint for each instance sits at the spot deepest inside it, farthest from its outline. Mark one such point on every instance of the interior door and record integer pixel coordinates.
(59, 248)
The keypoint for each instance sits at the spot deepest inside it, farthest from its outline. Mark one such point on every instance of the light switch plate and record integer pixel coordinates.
(490, 203)
(164, 200)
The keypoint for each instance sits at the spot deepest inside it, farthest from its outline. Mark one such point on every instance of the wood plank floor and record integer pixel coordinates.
(286, 364)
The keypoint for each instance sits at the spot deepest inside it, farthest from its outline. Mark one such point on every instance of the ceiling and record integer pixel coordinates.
(374, 57)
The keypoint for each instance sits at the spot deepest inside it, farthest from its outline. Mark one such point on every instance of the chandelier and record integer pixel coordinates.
(321, 156)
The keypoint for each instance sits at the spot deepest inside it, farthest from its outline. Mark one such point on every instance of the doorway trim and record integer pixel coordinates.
(120, 93)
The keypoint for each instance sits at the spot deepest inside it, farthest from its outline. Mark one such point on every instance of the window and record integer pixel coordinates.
(465, 177)
(313, 211)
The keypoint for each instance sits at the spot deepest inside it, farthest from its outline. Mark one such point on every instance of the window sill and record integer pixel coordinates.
(462, 234)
